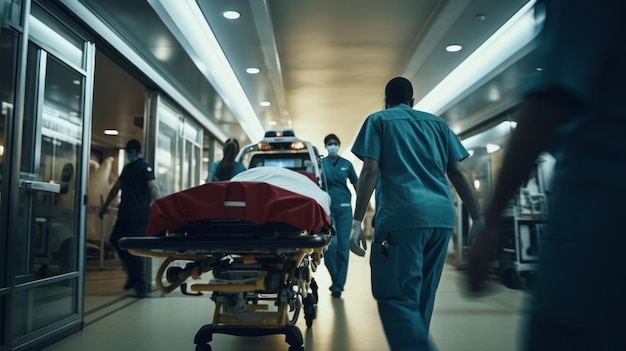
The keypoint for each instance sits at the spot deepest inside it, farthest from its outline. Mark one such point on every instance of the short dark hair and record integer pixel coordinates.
(133, 145)
(330, 137)
(399, 90)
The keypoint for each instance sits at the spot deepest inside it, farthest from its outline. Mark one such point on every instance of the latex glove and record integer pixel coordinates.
(357, 239)
(477, 227)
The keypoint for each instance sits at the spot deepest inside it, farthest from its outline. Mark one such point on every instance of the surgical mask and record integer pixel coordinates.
(131, 157)
(332, 150)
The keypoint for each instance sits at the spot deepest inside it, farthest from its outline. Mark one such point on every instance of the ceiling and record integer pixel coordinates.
(323, 64)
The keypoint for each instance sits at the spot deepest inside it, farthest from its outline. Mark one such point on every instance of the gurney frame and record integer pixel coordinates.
(261, 275)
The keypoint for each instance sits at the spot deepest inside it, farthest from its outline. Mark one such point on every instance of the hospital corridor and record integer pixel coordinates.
(212, 139)
(349, 323)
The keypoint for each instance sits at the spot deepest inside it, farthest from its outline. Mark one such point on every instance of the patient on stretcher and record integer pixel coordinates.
(262, 196)
(259, 236)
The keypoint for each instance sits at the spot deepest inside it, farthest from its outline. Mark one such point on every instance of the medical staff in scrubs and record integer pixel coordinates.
(575, 110)
(406, 156)
(337, 170)
(228, 167)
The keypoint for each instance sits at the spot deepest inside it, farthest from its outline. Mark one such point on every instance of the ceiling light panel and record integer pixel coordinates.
(245, 47)
(188, 23)
(231, 14)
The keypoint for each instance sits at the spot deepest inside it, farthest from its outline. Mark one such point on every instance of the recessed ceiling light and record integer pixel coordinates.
(272, 123)
(253, 70)
(231, 14)
(111, 132)
(265, 103)
(539, 69)
(453, 48)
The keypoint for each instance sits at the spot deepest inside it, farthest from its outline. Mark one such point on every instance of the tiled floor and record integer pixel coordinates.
(121, 322)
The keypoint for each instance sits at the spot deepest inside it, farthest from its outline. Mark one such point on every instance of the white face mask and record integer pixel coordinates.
(132, 157)
(332, 150)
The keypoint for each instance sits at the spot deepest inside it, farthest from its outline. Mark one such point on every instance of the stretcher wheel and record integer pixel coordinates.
(511, 279)
(309, 310)
(203, 347)
(308, 317)
(530, 281)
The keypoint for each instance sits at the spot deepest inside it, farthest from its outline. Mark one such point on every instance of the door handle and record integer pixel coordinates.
(40, 186)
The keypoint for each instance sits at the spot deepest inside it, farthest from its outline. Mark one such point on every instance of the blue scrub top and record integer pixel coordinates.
(239, 167)
(335, 180)
(589, 149)
(413, 150)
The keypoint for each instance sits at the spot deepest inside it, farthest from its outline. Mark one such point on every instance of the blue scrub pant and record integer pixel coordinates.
(405, 277)
(336, 257)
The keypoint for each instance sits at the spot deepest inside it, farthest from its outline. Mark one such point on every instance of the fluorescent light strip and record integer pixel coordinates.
(516, 33)
(132, 56)
(186, 22)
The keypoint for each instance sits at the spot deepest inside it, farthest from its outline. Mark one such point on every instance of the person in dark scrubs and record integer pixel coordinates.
(139, 188)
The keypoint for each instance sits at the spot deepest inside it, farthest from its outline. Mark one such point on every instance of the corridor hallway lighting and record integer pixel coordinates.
(507, 41)
(187, 23)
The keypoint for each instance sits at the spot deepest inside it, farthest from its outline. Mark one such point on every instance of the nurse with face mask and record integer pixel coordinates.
(337, 170)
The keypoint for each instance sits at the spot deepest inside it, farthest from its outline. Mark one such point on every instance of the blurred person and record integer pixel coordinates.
(406, 155)
(574, 108)
(139, 188)
(227, 167)
(337, 170)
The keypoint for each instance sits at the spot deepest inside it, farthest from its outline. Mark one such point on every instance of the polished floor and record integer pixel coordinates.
(114, 320)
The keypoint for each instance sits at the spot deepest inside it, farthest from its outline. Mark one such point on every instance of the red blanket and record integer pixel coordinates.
(255, 202)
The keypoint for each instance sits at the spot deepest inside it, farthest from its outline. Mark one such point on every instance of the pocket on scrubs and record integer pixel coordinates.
(385, 267)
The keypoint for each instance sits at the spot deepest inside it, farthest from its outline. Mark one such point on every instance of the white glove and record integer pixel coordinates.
(357, 239)
(477, 227)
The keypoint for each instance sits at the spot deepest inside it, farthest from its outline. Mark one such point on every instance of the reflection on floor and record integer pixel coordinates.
(117, 321)
(104, 294)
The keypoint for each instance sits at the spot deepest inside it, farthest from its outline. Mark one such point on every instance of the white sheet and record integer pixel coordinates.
(286, 179)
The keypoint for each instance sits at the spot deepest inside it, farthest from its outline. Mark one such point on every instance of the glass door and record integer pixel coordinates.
(48, 208)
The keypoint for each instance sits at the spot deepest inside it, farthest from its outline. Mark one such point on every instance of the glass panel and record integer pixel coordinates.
(13, 12)
(51, 146)
(188, 170)
(44, 305)
(8, 48)
(167, 158)
(56, 36)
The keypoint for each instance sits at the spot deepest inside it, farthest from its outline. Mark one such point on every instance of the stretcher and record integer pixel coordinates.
(258, 242)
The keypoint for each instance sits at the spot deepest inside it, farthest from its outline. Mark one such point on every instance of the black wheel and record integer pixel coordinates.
(309, 315)
(309, 310)
(511, 279)
(309, 321)
(294, 310)
(314, 289)
(530, 281)
(171, 274)
(203, 347)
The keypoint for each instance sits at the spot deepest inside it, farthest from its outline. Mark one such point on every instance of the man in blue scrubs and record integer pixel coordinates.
(406, 155)
(336, 171)
(575, 109)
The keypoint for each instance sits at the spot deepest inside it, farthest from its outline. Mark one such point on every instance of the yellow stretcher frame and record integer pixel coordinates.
(256, 319)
